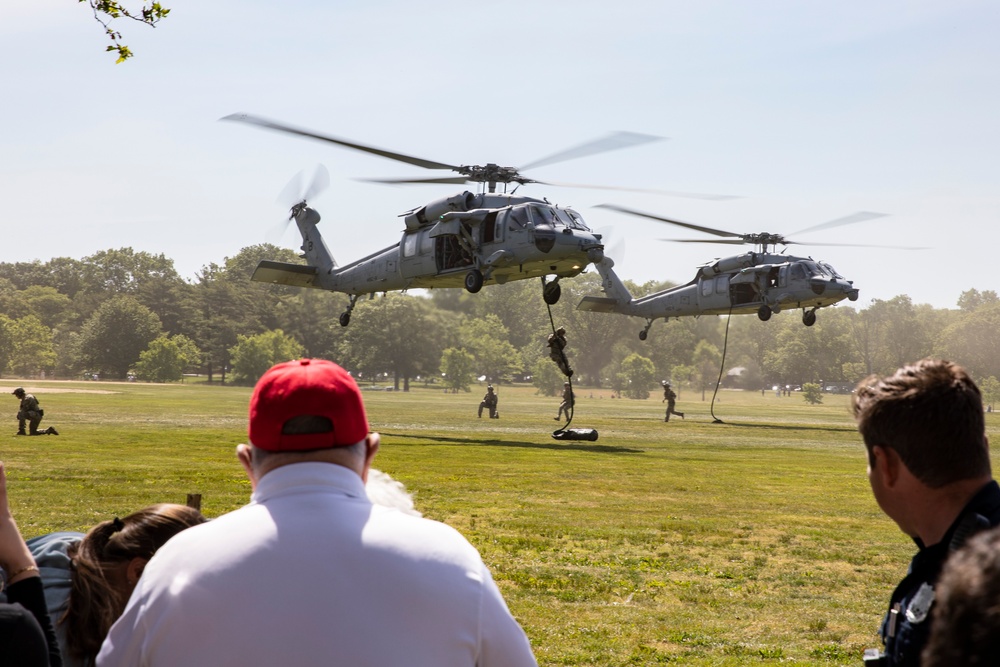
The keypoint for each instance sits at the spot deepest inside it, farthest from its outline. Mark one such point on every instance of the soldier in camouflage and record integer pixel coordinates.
(30, 413)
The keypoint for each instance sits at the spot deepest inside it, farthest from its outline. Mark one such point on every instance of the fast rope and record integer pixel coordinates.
(569, 379)
(722, 366)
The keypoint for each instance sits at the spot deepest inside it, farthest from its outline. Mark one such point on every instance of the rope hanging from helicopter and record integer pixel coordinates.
(722, 367)
(569, 376)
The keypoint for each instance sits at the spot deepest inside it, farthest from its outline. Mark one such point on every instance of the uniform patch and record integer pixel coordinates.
(921, 603)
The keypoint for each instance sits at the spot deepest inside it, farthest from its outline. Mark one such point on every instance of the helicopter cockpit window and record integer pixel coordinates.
(818, 270)
(543, 215)
(798, 272)
(722, 284)
(571, 219)
(832, 271)
(519, 216)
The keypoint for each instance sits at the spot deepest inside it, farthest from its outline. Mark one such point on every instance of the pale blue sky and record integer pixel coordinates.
(811, 111)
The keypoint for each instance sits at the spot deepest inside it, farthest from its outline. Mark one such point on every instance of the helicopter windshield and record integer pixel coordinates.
(832, 271)
(543, 215)
(571, 219)
(818, 270)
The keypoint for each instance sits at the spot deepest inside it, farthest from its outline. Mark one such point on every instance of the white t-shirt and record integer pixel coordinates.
(311, 573)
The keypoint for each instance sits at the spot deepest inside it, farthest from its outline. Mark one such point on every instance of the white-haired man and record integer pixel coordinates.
(311, 572)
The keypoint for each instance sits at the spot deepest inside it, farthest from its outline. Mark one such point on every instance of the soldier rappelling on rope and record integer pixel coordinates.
(557, 351)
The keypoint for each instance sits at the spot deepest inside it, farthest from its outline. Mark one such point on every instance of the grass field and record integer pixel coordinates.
(755, 541)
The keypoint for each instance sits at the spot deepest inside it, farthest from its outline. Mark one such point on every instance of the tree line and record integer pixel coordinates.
(120, 312)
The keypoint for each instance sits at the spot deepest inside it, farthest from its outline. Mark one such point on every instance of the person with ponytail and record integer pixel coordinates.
(89, 578)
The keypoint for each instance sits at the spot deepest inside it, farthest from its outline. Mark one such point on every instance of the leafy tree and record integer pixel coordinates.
(990, 389)
(457, 366)
(812, 393)
(396, 335)
(166, 358)
(546, 377)
(12, 303)
(973, 299)
(310, 316)
(107, 11)
(224, 312)
(706, 362)
(32, 350)
(47, 304)
(486, 339)
(253, 355)
(6, 341)
(519, 307)
(112, 339)
(972, 341)
(640, 374)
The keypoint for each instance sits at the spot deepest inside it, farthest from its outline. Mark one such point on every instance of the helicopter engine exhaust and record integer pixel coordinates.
(421, 216)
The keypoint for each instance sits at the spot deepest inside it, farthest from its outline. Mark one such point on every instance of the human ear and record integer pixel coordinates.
(134, 570)
(371, 448)
(246, 460)
(886, 465)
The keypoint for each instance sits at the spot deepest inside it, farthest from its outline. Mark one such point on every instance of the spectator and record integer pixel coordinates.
(965, 624)
(929, 469)
(27, 638)
(311, 572)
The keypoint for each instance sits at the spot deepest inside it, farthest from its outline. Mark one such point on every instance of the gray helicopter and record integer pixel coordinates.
(465, 240)
(762, 282)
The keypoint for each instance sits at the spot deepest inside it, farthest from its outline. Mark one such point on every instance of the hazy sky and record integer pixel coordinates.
(809, 111)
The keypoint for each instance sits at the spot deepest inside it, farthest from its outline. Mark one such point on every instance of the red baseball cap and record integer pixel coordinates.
(306, 388)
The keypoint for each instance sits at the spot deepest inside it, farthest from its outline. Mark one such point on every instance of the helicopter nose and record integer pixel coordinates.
(818, 286)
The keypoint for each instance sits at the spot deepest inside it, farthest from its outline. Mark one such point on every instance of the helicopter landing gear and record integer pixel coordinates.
(551, 291)
(645, 332)
(764, 313)
(474, 281)
(809, 317)
(345, 317)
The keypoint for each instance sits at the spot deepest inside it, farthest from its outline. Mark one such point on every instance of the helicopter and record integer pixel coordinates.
(762, 281)
(465, 240)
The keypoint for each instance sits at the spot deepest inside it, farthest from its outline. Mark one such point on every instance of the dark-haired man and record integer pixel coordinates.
(929, 469)
(965, 628)
(311, 572)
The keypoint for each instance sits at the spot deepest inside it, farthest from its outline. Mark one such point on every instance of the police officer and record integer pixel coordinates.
(670, 396)
(31, 413)
(929, 470)
(489, 402)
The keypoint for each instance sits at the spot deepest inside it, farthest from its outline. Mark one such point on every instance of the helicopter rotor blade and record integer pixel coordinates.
(858, 245)
(860, 216)
(612, 142)
(320, 182)
(291, 194)
(688, 225)
(445, 179)
(669, 193)
(723, 241)
(290, 129)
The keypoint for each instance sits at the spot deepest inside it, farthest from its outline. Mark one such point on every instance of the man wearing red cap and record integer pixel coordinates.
(311, 572)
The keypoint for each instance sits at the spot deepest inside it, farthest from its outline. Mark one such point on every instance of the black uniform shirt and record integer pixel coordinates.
(907, 624)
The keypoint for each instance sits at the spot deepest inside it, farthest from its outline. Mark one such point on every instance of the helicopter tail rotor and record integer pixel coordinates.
(295, 197)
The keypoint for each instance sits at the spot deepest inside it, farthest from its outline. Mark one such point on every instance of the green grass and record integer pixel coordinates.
(751, 542)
